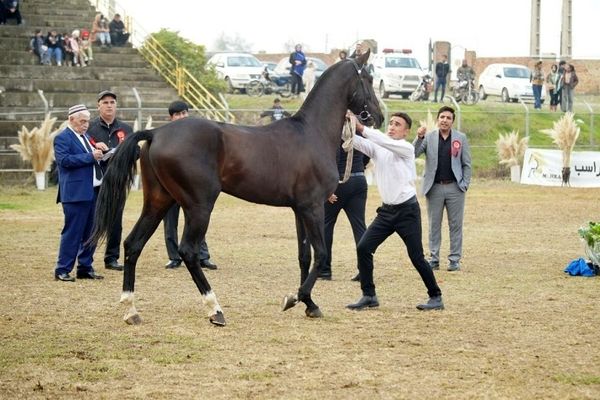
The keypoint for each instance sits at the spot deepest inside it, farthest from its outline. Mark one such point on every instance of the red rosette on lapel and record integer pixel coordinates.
(455, 147)
(91, 140)
(120, 135)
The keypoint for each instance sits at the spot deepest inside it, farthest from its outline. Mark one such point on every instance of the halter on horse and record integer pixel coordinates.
(290, 162)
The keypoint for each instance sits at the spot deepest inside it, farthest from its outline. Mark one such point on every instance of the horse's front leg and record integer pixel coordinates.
(196, 224)
(304, 259)
(309, 224)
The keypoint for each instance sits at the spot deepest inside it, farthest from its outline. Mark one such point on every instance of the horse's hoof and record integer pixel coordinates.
(289, 301)
(217, 319)
(134, 319)
(314, 313)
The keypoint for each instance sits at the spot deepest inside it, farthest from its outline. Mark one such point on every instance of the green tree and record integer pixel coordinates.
(192, 57)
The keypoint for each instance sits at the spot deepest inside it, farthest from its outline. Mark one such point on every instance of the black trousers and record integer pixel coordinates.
(440, 84)
(405, 220)
(297, 84)
(170, 222)
(113, 241)
(352, 198)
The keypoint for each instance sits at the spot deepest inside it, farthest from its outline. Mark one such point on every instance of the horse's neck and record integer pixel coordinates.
(324, 110)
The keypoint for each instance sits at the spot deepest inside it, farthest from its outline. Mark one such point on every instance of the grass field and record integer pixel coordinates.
(515, 326)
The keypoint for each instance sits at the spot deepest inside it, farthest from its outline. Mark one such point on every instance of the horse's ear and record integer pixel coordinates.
(363, 58)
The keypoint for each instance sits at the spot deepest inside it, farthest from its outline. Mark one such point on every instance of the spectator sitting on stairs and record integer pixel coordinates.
(54, 41)
(9, 9)
(100, 31)
(85, 46)
(118, 33)
(37, 47)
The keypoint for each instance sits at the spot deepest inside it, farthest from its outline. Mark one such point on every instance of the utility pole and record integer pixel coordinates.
(566, 31)
(534, 36)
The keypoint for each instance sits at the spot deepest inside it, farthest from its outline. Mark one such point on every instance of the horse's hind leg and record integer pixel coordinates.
(196, 224)
(133, 245)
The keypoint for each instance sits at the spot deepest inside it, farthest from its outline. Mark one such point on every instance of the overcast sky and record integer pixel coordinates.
(490, 27)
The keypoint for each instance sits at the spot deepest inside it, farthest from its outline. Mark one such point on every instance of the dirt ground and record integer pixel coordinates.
(515, 326)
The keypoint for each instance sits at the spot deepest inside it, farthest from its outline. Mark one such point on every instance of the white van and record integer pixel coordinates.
(237, 69)
(396, 72)
(508, 81)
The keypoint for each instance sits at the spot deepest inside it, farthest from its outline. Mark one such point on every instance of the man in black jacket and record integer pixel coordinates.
(442, 69)
(118, 33)
(107, 132)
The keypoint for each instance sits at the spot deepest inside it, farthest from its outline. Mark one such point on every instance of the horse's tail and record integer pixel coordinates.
(116, 184)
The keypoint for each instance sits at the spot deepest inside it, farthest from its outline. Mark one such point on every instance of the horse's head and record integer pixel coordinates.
(362, 100)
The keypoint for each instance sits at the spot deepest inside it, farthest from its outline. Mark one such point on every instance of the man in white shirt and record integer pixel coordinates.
(395, 171)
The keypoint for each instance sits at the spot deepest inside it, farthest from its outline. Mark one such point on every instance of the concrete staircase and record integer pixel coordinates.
(118, 68)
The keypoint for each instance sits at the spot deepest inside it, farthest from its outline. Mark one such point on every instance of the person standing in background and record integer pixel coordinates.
(570, 81)
(551, 81)
(350, 196)
(537, 81)
(309, 77)
(178, 110)
(298, 63)
(442, 69)
(108, 132)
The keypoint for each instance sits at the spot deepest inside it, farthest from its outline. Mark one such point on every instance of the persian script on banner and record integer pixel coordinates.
(544, 167)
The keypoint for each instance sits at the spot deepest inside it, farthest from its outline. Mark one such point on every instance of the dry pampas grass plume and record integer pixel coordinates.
(511, 149)
(37, 145)
(564, 134)
(429, 123)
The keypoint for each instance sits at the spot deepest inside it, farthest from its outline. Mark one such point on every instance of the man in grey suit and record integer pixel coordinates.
(446, 180)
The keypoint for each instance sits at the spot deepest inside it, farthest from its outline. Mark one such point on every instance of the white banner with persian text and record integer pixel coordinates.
(544, 167)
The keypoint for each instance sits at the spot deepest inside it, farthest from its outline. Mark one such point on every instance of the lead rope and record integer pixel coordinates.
(348, 136)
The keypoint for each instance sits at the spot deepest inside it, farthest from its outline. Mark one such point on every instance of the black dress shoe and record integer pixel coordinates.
(208, 264)
(364, 302)
(64, 277)
(172, 264)
(356, 278)
(324, 275)
(114, 265)
(89, 275)
(434, 303)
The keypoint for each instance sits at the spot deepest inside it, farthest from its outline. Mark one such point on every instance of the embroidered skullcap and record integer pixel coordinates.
(77, 108)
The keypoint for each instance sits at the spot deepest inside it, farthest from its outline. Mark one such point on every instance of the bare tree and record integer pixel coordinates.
(228, 43)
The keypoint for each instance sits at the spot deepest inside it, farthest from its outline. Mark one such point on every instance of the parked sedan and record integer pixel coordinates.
(508, 81)
(237, 69)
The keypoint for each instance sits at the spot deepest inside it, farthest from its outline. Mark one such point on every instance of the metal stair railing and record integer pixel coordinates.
(187, 86)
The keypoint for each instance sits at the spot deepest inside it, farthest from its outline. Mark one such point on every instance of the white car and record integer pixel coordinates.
(237, 69)
(396, 72)
(508, 81)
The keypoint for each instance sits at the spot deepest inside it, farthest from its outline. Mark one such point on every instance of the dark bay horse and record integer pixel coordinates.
(290, 163)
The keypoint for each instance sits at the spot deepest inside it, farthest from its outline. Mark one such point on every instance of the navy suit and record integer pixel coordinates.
(78, 197)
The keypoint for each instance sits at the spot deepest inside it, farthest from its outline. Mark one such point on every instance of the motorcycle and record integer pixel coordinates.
(422, 91)
(465, 91)
(270, 84)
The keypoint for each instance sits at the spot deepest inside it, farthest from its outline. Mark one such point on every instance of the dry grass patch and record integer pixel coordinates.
(515, 326)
